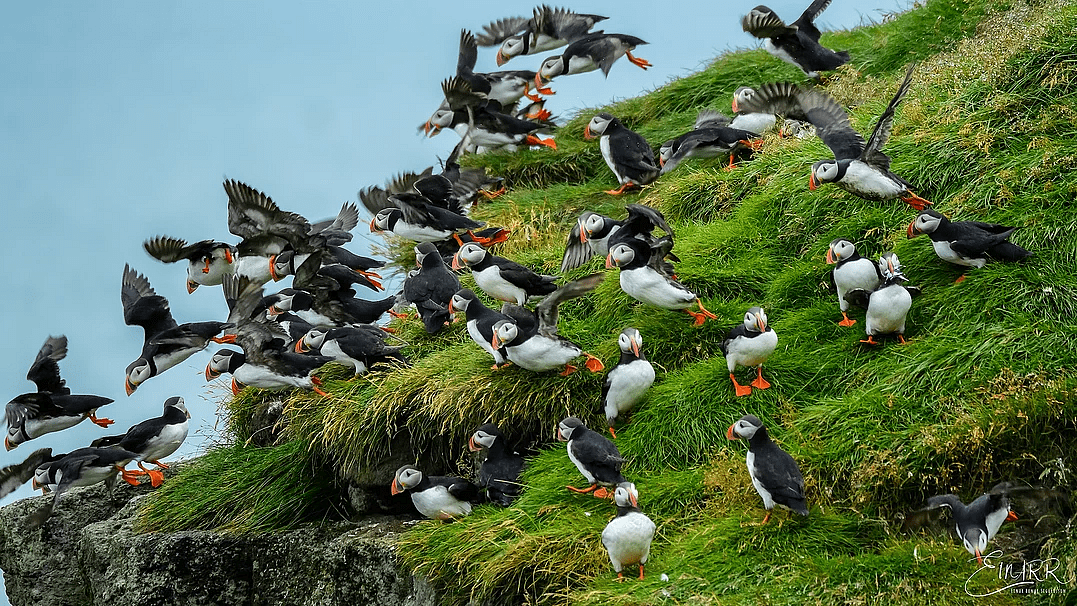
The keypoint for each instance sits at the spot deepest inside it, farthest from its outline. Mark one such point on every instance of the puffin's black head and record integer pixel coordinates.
(385, 219)
(225, 360)
(177, 403)
(840, 249)
(505, 332)
(468, 255)
(926, 222)
(569, 426)
(598, 125)
(590, 224)
(975, 541)
(665, 152)
(406, 478)
(745, 428)
(461, 300)
(627, 253)
(484, 437)
(755, 320)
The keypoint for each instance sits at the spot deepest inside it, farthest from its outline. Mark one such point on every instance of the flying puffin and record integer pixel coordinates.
(15, 475)
(707, 142)
(595, 456)
(547, 29)
(749, 344)
(501, 278)
(629, 380)
(82, 467)
(797, 44)
(593, 233)
(774, 473)
(975, 523)
(52, 407)
(597, 50)
(436, 497)
(851, 272)
(499, 475)
(412, 216)
(645, 279)
(152, 440)
(756, 122)
(627, 538)
(627, 154)
(967, 243)
(360, 346)
(480, 322)
(166, 343)
(858, 167)
(207, 261)
(888, 304)
(506, 87)
(530, 340)
(484, 124)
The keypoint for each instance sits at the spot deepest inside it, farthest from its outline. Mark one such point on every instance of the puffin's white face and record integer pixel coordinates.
(840, 249)
(408, 477)
(282, 304)
(551, 68)
(741, 96)
(630, 341)
(511, 47)
(505, 332)
(890, 266)
(471, 253)
(484, 439)
(755, 320)
(593, 223)
(665, 152)
(381, 220)
(459, 303)
(137, 372)
(598, 125)
(744, 429)
(12, 440)
(824, 171)
(626, 495)
(314, 339)
(926, 224)
(620, 255)
(177, 403)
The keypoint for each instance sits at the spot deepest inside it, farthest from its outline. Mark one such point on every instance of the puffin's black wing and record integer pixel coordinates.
(496, 32)
(858, 297)
(13, 476)
(459, 94)
(463, 490)
(873, 150)
(337, 230)
(937, 508)
(252, 214)
(45, 371)
(832, 125)
(781, 476)
(469, 54)
(564, 24)
(577, 251)
(547, 309)
(708, 118)
(643, 219)
(142, 306)
(418, 211)
(599, 455)
(762, 22)
(375, 199)
(737, 331)
(806, 22)
(977, 242)
(169, 250)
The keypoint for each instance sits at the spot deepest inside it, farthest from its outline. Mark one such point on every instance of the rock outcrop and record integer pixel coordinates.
(88, 553)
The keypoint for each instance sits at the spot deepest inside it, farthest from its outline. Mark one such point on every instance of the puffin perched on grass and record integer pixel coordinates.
(774, 473)
(480, 321)
(967, 243)
(501, 278)
(435, 497)
(499, 474)
(627, 538)
(628, 381)
(627, 153)
(749, 344)
(797, 43)
(851, 272)
(888, 304)
(595, 456)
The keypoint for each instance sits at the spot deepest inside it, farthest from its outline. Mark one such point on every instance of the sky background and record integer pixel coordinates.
(119, 121)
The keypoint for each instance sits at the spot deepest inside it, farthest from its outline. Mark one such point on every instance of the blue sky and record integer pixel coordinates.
(120, 120)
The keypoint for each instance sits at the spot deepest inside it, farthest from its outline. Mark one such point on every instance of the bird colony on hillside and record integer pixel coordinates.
(285, 336)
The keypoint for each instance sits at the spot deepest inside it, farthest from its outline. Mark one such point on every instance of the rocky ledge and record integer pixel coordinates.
(87, 553)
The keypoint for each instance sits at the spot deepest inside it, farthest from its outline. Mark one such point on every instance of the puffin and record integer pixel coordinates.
(628, 381)
(595, 456)
(505, 87)
(597, 50)
(82, 467)
(207, 260)
(413, 217)
(707, 142)
(484, 124)
(547, 29)
(774, 473)
(851, 272)
(752, 121)
(499, 474)
(480, 322)
(858, 167)
(501, 278)
(646, 279)
(593, 233)
(530, 340)
(975, 523)
(436, 497)
(360, 347)
(166, 343)
(327, 307)
(967, 243)
(432, 288)
(888, 304)
(52, 407)
(749, 344)
(152, 440)
(798, 43)
(15, 475)
(627, 153)
(627, 538)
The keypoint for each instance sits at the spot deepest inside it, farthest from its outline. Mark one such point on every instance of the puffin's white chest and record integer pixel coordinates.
(887, 308)
(331, 349)
(869, 182)
(860, 273)
(507, 90)
(476, 336)
(946, 253)
(768, 502)
(751, 351)
(628, 539)
(218, 268)
(437, 504)
(164, 362)
(254, 268)
(646, 285)
(166, 443)
(590, 477)
(539, 353)
(781, 53)
(994, 521)
(580, 64)
(263, 378)
(754, 123)
(43, 425)
(419, 233)
(607, 155)
(490, 280)
(628, 383)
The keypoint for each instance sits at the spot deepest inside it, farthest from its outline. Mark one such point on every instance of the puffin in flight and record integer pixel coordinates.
(797, 43)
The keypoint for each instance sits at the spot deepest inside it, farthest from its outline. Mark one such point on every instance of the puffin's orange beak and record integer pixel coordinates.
(729, 433)
(635, 346)
(811, 181)
(761, 325)
(8, 445)
(129, 387)
(300, 346)
(373, 228)
(452, 310)
(560, 437)
(609, 261)
(272, 271)
(661, 162)
(228, 255)
(395, 487)
(632, 500)
(191, 286)
(210, 373)
(587, 132)
(472, 446)
(236, 387)
(501, 60)
(734, 105)
(979, 558)
(830, 260)
(1011, 517)
(495, 342)
(456, 264)
(912, 232)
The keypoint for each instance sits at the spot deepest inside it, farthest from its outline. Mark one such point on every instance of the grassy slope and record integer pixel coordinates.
(984, 391)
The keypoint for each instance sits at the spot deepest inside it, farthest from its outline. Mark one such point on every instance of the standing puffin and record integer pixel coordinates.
(82, 467)
(499, 474)
(627, 154)
(975, 523)
(967, 243)
(860, 168)
(480, 322)
(629, 380)
(774, 473)
(501, 278)
(595, 456)
(432, 288)
(627, 538)
(749, 344)
(646, 279)
(594, 233)
(797, 44)
(152, 440)
(436, 497)
(597, 50)
(52, 407)
(888, 304)
(851, 272)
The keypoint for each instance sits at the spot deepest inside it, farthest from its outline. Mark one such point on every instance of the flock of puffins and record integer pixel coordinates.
(285, 337)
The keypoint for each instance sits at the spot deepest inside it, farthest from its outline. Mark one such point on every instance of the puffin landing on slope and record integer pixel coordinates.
(480, 322)
(645, 278)
(501, 278)
(967, 243)
(596, 457)
(798, 43)
(547, 29)
(750, 344)
(975, 523)
(593, 234)
(627, 538)
(628, 381)
(851, 272)
(627, 153)
(774, 473)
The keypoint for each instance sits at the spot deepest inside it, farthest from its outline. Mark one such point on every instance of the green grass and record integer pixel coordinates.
(985, 391)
